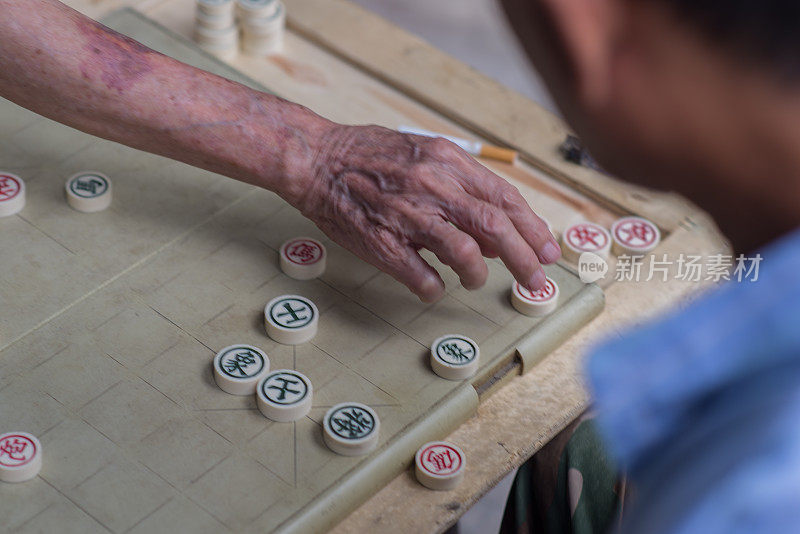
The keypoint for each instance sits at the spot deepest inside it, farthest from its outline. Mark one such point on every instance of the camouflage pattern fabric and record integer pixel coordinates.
(569, 487)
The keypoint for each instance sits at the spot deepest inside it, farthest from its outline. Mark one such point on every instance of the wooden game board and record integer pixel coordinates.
(109, 322)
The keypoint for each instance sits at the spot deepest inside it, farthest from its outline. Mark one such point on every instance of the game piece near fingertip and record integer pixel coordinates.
(284, 395)
(303, 258)
(88, 191)
(351, 429)
(585, 237)
(535, 303)
(291, 319)
(20, 456)
(634, 236)
(439, 465)
(239, 368)
(12, 194)
(455, 357)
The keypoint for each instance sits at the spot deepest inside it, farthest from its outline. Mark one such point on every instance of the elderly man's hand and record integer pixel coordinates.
(381, 194)
(384, 195)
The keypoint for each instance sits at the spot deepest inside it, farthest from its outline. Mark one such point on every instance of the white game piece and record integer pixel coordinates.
(12, 194)
(303, 258)
(215, 22)
(215, 28)
(263, 34)
(257, 8)
(239, 368)
(20, 456)
(439, 465)
(215, 38)
(351, 429)
(88, 191)
(268, 22)
(455, 357)
(215, 7)
(585, 237)
(284, 395)
(291, 319)
(535, 303)
(634, 236)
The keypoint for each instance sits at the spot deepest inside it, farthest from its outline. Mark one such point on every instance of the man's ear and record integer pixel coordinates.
(586, 31)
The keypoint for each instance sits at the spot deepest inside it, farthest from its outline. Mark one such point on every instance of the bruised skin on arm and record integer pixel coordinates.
(121, 60)
(110, 85)
(381, 194)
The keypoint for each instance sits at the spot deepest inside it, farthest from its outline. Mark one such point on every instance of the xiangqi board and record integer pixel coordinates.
(111, 320)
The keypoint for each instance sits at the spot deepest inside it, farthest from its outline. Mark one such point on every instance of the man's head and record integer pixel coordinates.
(674, 94)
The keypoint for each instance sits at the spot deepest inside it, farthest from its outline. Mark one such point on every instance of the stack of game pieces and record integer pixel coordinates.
(215, 29)
(263, 23)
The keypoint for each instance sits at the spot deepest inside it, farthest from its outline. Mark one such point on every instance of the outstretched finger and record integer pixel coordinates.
(403, 262)
(487, 186)
(492, 229)
(530, 226)
(458, 250)
(536, 233)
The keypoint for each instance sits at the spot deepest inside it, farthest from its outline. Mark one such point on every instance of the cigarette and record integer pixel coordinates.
(476, 148)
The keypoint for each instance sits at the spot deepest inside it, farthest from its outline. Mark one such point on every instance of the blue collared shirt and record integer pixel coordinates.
(702, 407)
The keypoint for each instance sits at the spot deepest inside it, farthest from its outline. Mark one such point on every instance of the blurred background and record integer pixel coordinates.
(475, 32)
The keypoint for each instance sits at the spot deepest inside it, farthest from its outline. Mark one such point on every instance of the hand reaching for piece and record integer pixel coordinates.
(385, 195)
(381, 194)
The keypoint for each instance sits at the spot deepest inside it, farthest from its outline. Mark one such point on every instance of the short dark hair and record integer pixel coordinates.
(764, 30)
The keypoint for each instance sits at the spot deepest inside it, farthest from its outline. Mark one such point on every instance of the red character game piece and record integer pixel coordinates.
(440, 465)
(585, 237)
(535, 303)
(303, 258)
(12, 194)
(634, 236)
(20, 456)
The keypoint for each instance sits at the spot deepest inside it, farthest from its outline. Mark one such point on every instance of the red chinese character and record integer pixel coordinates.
(441, 459)
(636, 232)
(584, 235)
(9, 187)
(14, 449)
(303, 252)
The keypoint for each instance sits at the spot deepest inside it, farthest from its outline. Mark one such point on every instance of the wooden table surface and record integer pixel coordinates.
(355, 67)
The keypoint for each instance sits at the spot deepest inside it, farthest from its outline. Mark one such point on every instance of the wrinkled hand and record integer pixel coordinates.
(385, 195)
